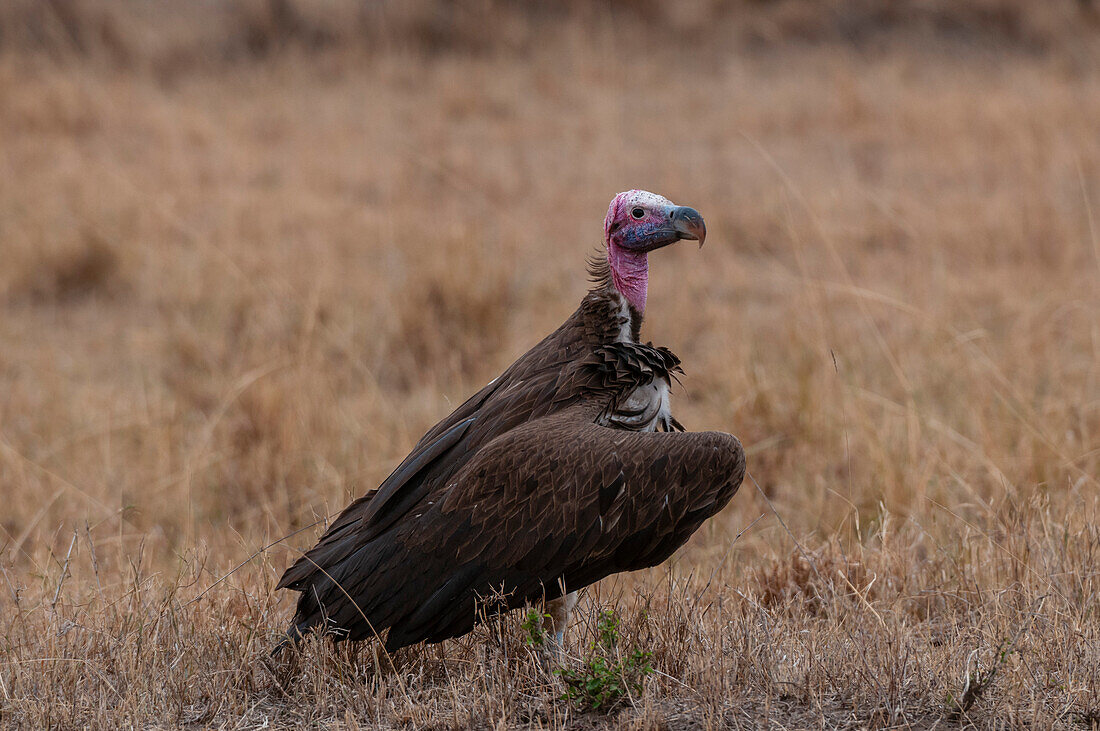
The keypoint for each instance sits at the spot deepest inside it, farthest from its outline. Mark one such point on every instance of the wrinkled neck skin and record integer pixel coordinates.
(630, 274)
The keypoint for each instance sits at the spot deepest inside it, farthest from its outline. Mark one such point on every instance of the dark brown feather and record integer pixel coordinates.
(529, 514)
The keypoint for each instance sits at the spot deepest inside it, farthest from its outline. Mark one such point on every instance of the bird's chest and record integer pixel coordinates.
(647, 408)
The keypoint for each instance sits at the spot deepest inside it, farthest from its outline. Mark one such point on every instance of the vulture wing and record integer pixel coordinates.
(552, 505)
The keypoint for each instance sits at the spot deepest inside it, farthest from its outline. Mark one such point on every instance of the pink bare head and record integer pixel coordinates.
(637, 223)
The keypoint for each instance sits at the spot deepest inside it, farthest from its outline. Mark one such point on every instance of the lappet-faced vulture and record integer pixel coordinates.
(565, 469)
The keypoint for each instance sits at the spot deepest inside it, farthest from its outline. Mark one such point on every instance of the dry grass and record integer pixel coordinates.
(232, 296)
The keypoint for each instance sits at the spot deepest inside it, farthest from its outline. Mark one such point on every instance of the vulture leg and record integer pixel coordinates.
(558, 613)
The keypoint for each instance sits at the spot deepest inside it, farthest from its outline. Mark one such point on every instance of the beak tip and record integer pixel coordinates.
(701, 233)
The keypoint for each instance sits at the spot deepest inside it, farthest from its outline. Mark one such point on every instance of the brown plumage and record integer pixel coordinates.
(567, 468)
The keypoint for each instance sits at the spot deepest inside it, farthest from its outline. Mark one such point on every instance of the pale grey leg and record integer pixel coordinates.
(560, 611)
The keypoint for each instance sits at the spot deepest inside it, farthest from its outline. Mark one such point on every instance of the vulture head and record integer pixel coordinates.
(637, 223)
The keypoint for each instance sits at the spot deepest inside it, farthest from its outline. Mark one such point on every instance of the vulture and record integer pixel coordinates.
(565, 469)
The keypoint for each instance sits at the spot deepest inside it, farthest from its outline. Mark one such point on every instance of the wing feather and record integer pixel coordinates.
(531, 513)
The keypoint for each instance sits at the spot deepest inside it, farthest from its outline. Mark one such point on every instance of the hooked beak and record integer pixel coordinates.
(688, 224)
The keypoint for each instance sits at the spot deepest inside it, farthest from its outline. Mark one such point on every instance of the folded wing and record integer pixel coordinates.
(554, 504)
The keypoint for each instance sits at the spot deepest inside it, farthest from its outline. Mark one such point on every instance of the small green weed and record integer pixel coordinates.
(533, 631)
(607, 676)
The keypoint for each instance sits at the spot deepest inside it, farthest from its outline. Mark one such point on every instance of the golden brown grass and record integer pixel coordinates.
(232, 297)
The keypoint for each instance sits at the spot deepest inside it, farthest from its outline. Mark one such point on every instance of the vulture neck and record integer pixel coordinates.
(630, 275)
(609, 313)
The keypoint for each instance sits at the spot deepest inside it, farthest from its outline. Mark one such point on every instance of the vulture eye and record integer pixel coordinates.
(638, 213)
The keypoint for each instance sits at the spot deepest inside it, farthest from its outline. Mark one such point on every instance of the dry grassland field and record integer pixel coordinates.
(251, 251)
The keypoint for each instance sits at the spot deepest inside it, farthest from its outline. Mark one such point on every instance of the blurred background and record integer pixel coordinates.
(251, 249)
